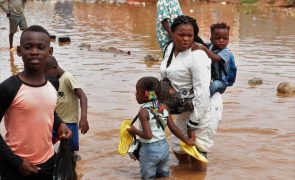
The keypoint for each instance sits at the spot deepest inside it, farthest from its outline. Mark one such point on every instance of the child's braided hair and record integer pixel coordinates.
(150, 84)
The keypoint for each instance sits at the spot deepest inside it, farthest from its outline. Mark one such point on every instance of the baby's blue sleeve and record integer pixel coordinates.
(225, 55)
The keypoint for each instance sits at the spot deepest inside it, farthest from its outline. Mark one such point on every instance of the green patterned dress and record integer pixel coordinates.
(166, 9)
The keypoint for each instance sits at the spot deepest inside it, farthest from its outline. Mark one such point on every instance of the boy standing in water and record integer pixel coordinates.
(154, 116)
(28, 101)
(67, 107)
(220, 55)
(15, 12)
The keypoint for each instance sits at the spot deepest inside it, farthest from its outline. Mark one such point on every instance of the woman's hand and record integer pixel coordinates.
(197, 46)
(191, 140)
(191, 137)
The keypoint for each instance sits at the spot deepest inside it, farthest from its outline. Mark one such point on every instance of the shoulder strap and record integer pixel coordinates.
(159, 123)
(165, 47)
(134, 119)
(171, 53)
(221, 64)
(223, 68)
(170, 57)
(157, 117)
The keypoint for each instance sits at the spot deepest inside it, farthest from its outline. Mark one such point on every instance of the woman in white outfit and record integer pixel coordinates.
(191, 70)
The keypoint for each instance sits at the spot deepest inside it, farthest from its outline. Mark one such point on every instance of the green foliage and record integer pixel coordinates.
(291, 3)
(250, 1)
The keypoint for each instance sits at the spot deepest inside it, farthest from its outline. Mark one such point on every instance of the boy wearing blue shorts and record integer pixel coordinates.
(67, 107)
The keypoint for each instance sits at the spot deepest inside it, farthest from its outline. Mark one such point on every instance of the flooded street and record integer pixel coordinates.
(256, 137)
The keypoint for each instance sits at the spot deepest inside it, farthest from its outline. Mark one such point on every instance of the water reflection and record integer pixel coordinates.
(150, 64)
(63, 17)
(14, 68)
(64, 9)
(186, 172)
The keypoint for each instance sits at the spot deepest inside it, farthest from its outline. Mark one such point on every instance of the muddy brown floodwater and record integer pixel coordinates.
(256, 137)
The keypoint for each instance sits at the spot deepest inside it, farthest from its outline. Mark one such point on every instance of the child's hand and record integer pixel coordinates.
(131, 130)
(27, 168)
(83, 126)
(64, 132)
(197, 46)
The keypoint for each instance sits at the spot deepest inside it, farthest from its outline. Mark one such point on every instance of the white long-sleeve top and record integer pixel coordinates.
(190, 69)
